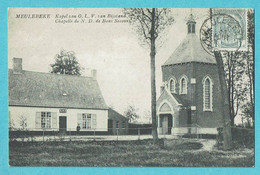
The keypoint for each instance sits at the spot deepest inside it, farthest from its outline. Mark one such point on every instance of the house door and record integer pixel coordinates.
(63, 123)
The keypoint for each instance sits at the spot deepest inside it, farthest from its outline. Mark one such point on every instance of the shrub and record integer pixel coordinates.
(243, 137)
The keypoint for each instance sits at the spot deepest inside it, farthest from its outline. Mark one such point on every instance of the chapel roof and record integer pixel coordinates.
(190, 50)
(179, 99)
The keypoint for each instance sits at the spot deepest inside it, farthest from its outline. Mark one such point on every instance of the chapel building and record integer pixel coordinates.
(190, 96)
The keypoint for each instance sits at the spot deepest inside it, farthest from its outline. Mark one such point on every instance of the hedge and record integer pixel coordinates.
(241, 137)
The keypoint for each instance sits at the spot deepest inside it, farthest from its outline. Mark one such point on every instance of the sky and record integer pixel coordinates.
(113, 49)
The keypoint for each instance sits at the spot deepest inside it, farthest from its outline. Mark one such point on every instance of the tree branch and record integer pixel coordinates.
(146, 15)
(143, 29)
(149, 10)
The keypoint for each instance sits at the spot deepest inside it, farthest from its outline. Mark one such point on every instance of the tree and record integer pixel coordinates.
(23, 122)
(66, 63)
(206, 41)
(131, 113)
(149, 24)
(249, 68)
(11, 124)
(248, 113)
(239, 68)
(23, 129)
(147, 116)
(234, 65)
(227, 137)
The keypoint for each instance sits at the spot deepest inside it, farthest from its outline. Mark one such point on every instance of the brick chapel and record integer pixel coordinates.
(190, 95)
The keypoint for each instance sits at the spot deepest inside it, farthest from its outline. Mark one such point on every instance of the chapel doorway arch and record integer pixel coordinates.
(165, 118)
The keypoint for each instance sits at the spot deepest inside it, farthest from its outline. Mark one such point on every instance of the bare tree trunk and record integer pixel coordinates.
(230, 86)
(250, 72)
(251, 83)
(227, 137)
(232, 122)
(153, 87)
(232, 110)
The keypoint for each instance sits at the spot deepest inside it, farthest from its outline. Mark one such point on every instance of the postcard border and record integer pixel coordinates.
(4, 5)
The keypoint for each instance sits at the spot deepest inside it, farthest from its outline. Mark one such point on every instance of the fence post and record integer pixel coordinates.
(43, 135)
(152, 131)
(94, 134)
(197, 132)
(117, 134)
(53, 131)
(70, 134)
(138, 133)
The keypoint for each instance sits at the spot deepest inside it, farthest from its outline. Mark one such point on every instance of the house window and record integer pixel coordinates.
(172, 85)
(117, 124)
(110, 124)
(207, 94)
(86, 121)
(45, 119)
(123, 124)
(183, 85)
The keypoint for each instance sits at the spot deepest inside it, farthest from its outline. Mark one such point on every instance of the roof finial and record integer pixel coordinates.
(191, 18)
(191, 23)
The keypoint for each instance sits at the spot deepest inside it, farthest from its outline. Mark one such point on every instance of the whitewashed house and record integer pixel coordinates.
(53, 102)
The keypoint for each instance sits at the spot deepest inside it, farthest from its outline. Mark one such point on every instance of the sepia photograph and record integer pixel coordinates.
(131, 87)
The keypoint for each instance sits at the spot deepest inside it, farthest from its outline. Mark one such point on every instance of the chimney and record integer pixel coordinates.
(17, 65)
(94, 74)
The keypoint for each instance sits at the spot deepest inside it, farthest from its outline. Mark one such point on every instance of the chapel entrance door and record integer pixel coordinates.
(166, 123)
(170, 124)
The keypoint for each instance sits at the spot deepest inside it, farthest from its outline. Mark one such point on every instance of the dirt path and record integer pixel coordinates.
(208, 145)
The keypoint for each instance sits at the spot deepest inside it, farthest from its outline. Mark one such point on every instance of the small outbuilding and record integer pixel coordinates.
(117, 123)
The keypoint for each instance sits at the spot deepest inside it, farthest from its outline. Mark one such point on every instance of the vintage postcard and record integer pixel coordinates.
(131, 87)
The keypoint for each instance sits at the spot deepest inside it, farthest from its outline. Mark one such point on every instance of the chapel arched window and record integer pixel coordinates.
(172, 85)
(183, 85)
(207, 94)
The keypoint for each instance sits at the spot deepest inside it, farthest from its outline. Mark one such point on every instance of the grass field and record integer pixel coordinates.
(126, 153)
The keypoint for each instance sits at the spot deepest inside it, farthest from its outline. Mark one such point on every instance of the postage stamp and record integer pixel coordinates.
(229, 29)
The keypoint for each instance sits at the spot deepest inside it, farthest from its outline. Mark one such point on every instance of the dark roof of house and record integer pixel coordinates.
(112, 114)
(190, 50)
(54, 90)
